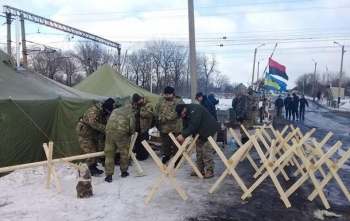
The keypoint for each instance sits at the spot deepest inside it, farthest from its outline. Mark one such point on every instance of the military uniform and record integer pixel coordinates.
(168, 121)
(199, 121)
(143, 116)
(255, 107)
(119, 129)
(90, 129)
(243, 114)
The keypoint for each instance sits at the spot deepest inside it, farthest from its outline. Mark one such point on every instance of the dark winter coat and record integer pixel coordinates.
(287, 102)
(209, 106)
(302, 102)
(295, 102)
(212, 99)
(198, 120)
(279, 103)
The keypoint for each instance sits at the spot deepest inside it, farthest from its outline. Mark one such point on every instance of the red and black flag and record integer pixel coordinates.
(277, 69)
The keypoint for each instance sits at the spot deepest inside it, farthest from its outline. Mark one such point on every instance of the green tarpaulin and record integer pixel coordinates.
(35, 110)
(105, 81)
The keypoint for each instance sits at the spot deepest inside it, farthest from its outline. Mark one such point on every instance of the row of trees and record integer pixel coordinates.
(167, 62)
(322, 80)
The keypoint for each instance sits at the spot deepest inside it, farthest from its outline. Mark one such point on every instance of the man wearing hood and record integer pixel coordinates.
(167, 121)
(143, 118)
(205, 102)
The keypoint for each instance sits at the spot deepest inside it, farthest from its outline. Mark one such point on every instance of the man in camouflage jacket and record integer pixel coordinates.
(90, 129)
(120, 127)
(242, 105)
(167, 121)
(255, 106)
(143, 118)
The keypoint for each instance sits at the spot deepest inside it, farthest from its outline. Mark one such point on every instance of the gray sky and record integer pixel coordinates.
(303, 29)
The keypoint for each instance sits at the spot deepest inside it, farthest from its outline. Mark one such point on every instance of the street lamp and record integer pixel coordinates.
(314, 77)
(257, 77)
(341, 67)
(254, 62)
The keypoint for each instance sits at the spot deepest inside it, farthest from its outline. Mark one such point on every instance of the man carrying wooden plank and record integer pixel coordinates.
(198, 120)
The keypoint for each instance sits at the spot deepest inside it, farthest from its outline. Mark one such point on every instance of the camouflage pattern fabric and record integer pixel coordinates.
(255, 107)
(167, 116)
(168, 147)
(120, 127)
(204, 154)
(243, 107)
(146, 115)
(90, 130)
(246, 124)
(116, 140)
(89, 145)
(122, 119)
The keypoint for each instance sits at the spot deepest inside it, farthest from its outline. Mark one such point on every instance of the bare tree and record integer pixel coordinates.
(46, 63)
(208, 71)
(91, 56)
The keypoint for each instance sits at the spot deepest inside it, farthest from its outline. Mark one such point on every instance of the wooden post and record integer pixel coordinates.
(57, 182)
(49, 165)
(131, 154)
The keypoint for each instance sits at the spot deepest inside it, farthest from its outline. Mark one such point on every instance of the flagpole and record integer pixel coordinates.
(268, 62)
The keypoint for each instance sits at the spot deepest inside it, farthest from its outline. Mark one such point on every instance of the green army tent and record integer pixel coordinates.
(105, 81)
(35, 109)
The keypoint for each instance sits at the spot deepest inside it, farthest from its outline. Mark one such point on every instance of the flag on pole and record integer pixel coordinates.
(274, 84)
(277, 69)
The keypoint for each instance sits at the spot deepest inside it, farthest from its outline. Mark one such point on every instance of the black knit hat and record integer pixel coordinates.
(136, 97)
(169, 90)
(179, 109)
(108, 105)
(110, 100)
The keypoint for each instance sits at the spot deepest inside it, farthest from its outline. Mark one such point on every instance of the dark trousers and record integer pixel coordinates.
(295, 112)
(302, 113)
(288, 113)
(279, 112)
(140, 150)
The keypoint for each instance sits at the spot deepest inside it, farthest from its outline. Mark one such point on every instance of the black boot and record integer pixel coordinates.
(125, 174)
(177, 161)
(94, 170)
(108, 178)
(165, 159)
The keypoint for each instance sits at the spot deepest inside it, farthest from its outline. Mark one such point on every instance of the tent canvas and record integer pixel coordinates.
(35, 109)
(105, 81)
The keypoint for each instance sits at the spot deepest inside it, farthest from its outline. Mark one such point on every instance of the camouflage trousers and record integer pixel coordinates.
(255, 114)
(246, 124)
(204, 154)
(116, 140)
(168, 147)
(89, 145)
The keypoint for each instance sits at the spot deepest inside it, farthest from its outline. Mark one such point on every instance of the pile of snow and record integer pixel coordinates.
(224, 104)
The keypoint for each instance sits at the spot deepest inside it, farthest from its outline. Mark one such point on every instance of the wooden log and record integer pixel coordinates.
(49, 165)
(55, 177)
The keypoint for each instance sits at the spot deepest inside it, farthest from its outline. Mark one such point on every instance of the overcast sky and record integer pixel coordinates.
(303, 29)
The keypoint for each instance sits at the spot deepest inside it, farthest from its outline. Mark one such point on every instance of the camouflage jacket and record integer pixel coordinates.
(146, 115)
(122, 120)
(167, 116)
(93, 122)
(243, 107)
(255, 101)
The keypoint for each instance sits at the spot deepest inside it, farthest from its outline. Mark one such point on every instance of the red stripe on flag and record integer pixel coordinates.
(277, 65)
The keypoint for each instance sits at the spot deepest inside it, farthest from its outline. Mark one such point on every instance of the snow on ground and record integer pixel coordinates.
(224, 104)
(343, 106)
(23, 196)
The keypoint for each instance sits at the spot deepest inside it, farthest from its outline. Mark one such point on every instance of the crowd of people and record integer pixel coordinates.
(294, 106)
(106, 127)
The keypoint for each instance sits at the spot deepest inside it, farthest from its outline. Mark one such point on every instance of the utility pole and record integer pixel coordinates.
(314, 77)
(118, 62)
(256, 49)
(24, 44)
(192, 42)
(341, 68)
(8, 22)
(151, 71)
(257, 77)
